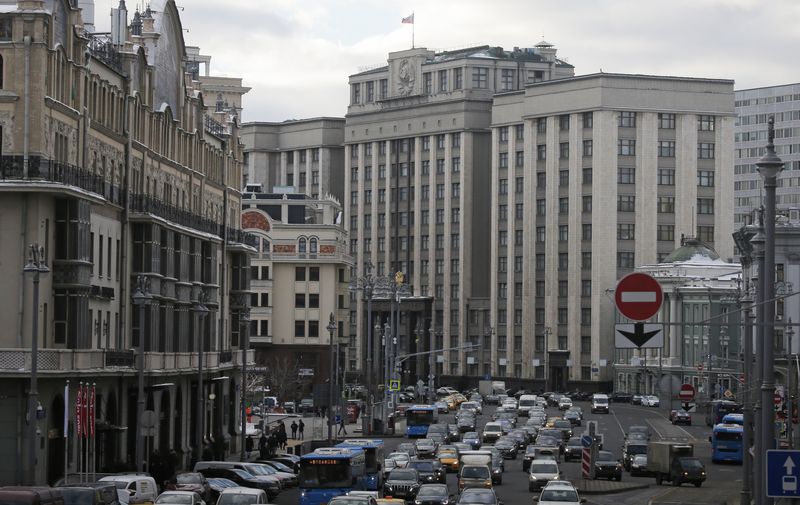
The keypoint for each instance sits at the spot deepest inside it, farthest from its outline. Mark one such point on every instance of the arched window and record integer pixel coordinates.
(313, 246)
(302, 245)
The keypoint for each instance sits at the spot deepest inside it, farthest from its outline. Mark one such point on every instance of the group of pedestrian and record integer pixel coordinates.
(297, 428)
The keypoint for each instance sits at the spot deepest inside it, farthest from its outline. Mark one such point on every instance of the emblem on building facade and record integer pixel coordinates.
(406, 78)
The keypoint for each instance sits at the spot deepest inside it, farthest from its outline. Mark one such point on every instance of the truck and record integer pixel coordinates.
(489, 387)
(484, 458)
(674, 462)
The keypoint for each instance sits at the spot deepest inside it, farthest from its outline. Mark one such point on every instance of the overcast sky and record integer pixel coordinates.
(296, 55)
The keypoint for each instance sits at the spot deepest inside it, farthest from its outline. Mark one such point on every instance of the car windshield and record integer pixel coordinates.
(544, 467)
(189, 478)
(477, 496)
(174, 498)
(562, 424)
(637, 449)
(475, 472)
(691, 463)
(606, 456)
(546, 441)
(281, 467)
(640, 459)
(568, 495)
(432, 491)
(423, 466)
(403, 475)
(325, 473)
(574, 441)
(448, 453)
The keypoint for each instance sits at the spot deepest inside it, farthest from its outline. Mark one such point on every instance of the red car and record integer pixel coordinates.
(680, 417)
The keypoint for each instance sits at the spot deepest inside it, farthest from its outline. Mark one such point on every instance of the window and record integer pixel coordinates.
(626, 175)
(705, 123)
(502, 161)
(541, 125)
(705, 205)
(439, 216)
(439, 267)
(705, 151)
(563, 232)
(502, 264)
(540, 288)
(518, 237)
(563, 289)
(666, 205)
(313, 274)
(563, 150)
(666, 232)
(563, 313)
(705, 178)
(440, 191)
(587, 175)
(541, 152)
(563, 205)
(563, 261)
(540, 262)
(455, 240)
(480, 77)
(507, 79)
(519, 159)
(627, 119)
(587, 203)
(586, 287)
(540, 207)
(384, 85)
(458, 78)
(541, 178)
(455, 190)
(666, 177)
(426, 143)
(370, 94)
(313, 329)
(519, 185)
(502, 290)
(503, 134)
(300, 329)
(666, 148)
(540, 233)
(625, 259)
(586, 260)
(299, 301)
(626, 203)
(426, 167)
(519, 132)
(455, 215)
(586, 316)
(502, 212)
(563, 122)
(586, 231)
(587, 147)
(355, 94)
(705, 233)
(503, 190)
(440, 140)
(427, 83)
(442, 80)
(518, 264)
(439, 242)
(588, 119)
(666, 121)
(625, 231)
(456, 164)
(563, 178)
(626, 147)
(300, 273)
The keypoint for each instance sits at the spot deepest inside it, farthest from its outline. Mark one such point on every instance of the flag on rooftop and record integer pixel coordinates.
(409, 19)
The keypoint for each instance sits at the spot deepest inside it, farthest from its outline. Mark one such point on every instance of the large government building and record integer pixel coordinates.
(111, 166)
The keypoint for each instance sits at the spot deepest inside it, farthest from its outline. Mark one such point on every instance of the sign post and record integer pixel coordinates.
(638, 297)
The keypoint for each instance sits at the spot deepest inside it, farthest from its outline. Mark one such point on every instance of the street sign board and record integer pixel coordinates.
(306, 372)
(782, 473)
(686, 393)
(394, 385)
(638, 296)
(586, 440)
(638, 336)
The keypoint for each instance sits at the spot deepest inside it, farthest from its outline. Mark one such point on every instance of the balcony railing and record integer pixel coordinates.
(150, 205)
(101, 47)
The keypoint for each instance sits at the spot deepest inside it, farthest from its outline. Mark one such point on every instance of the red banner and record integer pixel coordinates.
(91, 413)
(85, 418)
(78, 410)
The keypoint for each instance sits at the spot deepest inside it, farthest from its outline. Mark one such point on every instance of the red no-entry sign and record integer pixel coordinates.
(638, 296)
(686, 393)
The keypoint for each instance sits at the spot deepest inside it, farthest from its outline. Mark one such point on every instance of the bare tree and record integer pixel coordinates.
(281, 377)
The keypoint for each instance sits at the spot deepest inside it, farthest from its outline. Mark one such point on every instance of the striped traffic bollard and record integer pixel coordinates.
(586, 462)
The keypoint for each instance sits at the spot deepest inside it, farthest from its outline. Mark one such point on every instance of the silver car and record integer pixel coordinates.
(542, 472)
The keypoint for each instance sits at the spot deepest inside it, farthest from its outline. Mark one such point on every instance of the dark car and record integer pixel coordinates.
(530, 455)
(94, 493)
(620, 397)
(453, 433)
(478, 496)
(689, 470)
(473, 439)
(492, 399)
(607, 467)
(402, 483)
(565, 427)
(244, 479)
(573, 449)
(433, 494)
(191, 481)
(680, 417)
(639, 429)
(550, 440)
(573, 417)
(218, 485)
(425, 447)
(429, 471)
(292, 463)
(521, 436)
(306, 405)
(507, 447)
(466, 423)
(629, 450)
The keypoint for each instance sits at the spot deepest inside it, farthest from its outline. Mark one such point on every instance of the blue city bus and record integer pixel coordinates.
(329, 472)
(373, 454)
(726, 443)
(419, 418)
(717, 409)
(733, 419)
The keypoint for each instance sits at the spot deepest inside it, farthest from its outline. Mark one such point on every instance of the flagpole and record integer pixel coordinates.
(413, 27)
(66, 432)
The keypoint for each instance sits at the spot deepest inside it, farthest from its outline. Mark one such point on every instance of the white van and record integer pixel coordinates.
(133, 489)
(599, 403)
(526, 402)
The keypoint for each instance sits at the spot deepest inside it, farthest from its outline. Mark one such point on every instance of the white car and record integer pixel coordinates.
(179, 498)
(237, 495)
(651, 401)
(560, 492)
(564, 403)
(395, 460)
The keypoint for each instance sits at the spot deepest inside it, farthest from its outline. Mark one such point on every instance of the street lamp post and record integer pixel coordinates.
(431, 363)
(367, 286)
(332, 394)
(547, 332)
(141, 298)
(768, 166)
(244, 330)
(37, 265)
(790, 385)
(200, 409)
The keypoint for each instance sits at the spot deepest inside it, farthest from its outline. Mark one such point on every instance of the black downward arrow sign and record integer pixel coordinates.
(639, 337)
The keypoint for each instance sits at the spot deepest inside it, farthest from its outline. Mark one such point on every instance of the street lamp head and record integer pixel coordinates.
(331, 323)
(141, 294)
(36, 261)
(770, 164)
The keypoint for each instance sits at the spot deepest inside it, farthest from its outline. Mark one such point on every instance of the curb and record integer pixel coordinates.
(622, 488)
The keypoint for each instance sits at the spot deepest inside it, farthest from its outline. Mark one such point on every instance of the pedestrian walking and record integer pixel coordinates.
(294, 430)
(300, 427)
(341, 431)
(262, 446)
(248, 445)
(282, 438)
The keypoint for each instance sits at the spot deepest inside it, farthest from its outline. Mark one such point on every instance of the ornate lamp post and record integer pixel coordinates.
(244, 330)
(200, 409)
(37, 265)
(367, 286)
(332, 393)
(141, 298)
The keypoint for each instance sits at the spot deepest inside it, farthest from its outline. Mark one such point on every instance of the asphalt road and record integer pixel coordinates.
(723, 482)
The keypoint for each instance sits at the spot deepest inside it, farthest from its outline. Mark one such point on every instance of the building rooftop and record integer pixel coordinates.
(694, 251)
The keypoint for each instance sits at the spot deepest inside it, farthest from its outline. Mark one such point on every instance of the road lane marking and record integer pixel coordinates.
(618, 423)
(654, 428)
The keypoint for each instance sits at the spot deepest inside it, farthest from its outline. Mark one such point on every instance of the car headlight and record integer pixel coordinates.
(685, 473)
(533, 477)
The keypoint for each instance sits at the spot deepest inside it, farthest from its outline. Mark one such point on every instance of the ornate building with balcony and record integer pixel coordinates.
(300, 276)
(108, 164)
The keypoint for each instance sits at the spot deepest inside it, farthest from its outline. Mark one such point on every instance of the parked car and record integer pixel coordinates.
(636, 399)
(240, 495)
(651, 401)
(133, 488)
(620, 397)
(680, 417)
(190, 481)
(89, 493)
(179, 498)
(607, 467)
